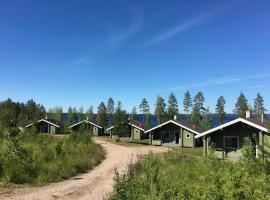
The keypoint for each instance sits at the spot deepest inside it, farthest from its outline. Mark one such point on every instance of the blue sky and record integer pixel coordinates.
(80, 53)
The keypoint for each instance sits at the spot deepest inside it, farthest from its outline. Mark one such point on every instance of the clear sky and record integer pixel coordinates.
(80, 53)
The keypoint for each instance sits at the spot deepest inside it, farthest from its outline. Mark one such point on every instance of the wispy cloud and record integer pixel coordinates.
(186, 25)
(258, 86)
(221, 81)
(118, 36)
(78, 61)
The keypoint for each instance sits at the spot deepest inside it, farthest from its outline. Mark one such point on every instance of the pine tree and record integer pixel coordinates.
(172, 106)
(133, 113)
(90, 114)
(187, 102)
(199, 101)
(195, 116)
(145, 110)
(160, 110)
(220, 109)
(120, 120)
(259, 105)
(110, 106)
(75, 114)
(56, 113)
(198, 108)
(23, 118)
(241, 106)
(207, 120)
(81, 113)
(70, 116)
(110, 109)
(102, 118)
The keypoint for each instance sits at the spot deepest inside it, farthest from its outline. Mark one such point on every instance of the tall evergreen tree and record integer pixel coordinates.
(199, 101)
(110, 109)
(198, 108)
(36, 111)
(207, 120)
(75, 114)
(195, 116)
(102, 118)
(81, 113)
(187, 102)
(172, 106)
(9, 112)
(23, 117)
(58, 113)
(90, 114)
(120, 121)
(145, 110)
(133, 114)
(110, 106)
(70, 115)
(220, 109)
(160, 110)
(241, 106)
(259, 105)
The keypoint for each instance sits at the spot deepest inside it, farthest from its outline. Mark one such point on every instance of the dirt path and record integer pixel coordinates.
(96, 184)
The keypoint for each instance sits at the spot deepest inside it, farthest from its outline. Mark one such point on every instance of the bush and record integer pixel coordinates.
(179, 176)
(39, 158)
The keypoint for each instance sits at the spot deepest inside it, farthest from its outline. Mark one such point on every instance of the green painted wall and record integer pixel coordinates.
(188, 141)
(240, 130)
(172, 140)
(135, 133)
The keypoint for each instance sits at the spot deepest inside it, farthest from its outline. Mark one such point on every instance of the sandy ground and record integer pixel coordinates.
(96, 184)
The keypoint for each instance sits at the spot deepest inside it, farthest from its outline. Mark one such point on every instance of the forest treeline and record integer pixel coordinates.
(16, 114)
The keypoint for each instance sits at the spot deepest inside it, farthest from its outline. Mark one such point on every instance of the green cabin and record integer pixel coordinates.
(49, 126)
(228, 138)
(88, 126)
(179, 133)
(136, 131)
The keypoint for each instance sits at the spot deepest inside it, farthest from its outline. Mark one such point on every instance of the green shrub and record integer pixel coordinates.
(40, 158)
(179, 176)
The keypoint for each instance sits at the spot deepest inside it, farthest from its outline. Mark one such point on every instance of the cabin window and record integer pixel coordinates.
(231, 142)
(165, 134)
(187, 135)
(137, 131)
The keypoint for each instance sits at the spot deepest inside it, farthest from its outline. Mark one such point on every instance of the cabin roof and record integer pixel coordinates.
(52, 122)
(249, 121)
(182, 123)
(85, 121)
(138, 125)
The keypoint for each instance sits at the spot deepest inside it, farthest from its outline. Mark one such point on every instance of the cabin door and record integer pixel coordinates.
(176, 136)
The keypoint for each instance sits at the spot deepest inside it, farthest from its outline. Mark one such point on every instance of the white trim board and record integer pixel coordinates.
(136, 126)
(174, 122)
(44, 120)
(86, 122)
(231, 123)
(110, 128)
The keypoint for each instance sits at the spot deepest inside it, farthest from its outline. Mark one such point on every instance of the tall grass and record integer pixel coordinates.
(179, 176)
(30, 158)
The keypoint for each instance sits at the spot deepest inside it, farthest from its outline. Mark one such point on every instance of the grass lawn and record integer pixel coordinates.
(175, 175)
(37, 159)
(197, 151)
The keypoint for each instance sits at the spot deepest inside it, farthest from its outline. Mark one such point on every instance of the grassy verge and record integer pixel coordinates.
(38, 159)
(175, 175)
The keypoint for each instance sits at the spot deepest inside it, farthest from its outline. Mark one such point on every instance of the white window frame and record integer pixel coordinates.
(231, 136)
(188, 135)
(165, 132)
